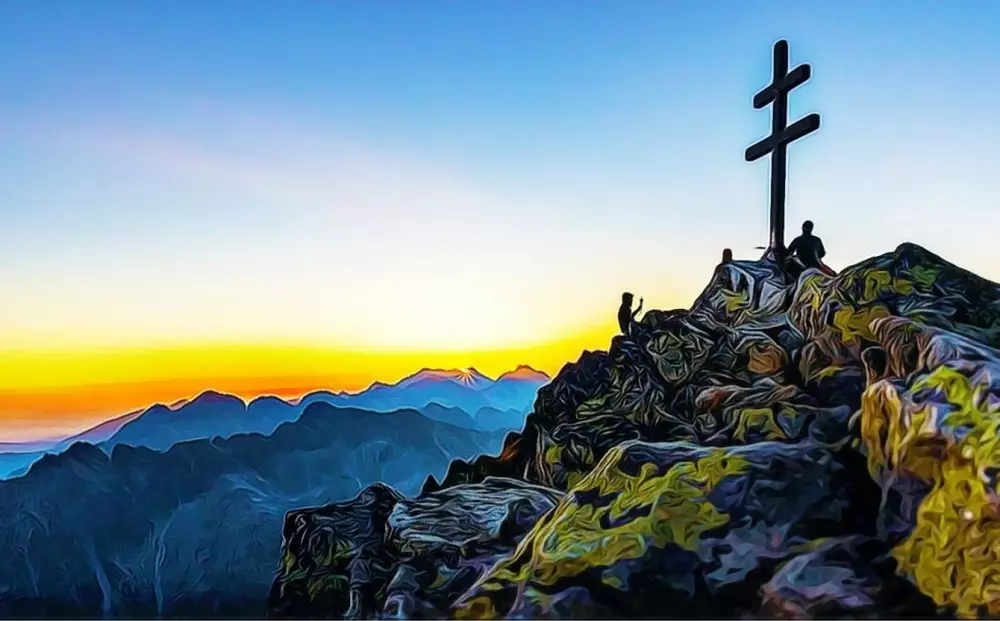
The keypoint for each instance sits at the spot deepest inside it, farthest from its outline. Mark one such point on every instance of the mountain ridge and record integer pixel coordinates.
(719, 461)
(189, 532)
(503, 403)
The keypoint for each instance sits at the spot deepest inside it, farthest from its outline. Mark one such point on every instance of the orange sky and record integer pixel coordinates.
(45, 393)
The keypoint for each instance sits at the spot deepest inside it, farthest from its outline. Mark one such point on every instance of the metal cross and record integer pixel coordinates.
(777, 143)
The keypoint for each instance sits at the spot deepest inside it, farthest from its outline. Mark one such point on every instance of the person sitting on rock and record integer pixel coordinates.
(727, 255)
(809, 249)
(625, 313)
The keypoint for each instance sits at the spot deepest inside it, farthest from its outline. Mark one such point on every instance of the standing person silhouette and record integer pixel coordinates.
(625, 313)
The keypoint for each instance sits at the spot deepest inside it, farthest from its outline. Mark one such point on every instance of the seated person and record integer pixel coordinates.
(809, 250)
(807, 247)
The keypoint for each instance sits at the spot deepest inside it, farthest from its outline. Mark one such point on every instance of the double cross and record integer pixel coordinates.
(781, 134)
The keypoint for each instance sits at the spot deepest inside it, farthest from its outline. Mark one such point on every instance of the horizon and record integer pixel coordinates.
(291, 394)
(334, 196)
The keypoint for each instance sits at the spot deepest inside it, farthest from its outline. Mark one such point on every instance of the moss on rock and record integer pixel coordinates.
(659, 516)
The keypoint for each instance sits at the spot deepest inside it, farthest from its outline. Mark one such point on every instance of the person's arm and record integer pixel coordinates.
(820, 250)
(638, 310)
(794, 246)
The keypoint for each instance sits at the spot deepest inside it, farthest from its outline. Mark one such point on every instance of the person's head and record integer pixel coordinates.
(807, 227)
(627, 299)
(727, 255)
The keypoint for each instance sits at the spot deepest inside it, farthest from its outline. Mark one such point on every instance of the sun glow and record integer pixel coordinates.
(60, 390)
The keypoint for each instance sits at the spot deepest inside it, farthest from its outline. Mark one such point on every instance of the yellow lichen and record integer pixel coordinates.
(879, 281)
(881, 412)
(953, 552)
(477, 608)
(664, 509)
(855, 323)
(324, 583)
(811, 291)
(614, 582)
(332, 552)
(827, 371)
(789, 412)
(288, 560)
(572, 478)
(924, 276)
(875, 282)
(757, 418)
(735, 300)
(590, 407)
(541, 601)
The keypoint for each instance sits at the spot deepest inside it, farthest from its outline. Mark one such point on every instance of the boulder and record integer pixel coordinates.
(383, 555)
(850, 577)
(673, 529)
(931, 439)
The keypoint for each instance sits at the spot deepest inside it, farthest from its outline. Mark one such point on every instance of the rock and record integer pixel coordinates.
(754, 347)
(334, 557)
(932, 443)
(849, 577)
(384, 555)
(836, 314)
(673, 529)
(448, 539)
(823, 445)
(746, 292)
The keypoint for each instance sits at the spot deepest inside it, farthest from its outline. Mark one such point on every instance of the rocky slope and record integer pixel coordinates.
(824, 446)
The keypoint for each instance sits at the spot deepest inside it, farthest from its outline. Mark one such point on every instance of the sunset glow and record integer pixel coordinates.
(349, 192)
(47, 393)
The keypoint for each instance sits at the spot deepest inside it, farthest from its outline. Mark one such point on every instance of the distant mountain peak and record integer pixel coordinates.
(525, 372)
(470, 377)
(214, 397)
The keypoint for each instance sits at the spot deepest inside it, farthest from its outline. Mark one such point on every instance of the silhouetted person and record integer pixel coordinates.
(807, 247)
(625, 313)
(727, 256)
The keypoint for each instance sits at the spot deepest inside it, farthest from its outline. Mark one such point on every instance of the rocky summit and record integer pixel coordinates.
(798, 448)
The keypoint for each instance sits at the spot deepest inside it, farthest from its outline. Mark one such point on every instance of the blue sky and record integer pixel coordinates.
(464, 174)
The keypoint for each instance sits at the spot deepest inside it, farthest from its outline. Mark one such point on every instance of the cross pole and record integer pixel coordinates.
(782, 82)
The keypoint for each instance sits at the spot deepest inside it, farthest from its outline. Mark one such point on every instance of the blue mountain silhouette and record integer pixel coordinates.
(193, 530)
(432, 391)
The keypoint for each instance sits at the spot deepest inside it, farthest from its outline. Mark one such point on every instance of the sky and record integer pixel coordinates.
(277, 196)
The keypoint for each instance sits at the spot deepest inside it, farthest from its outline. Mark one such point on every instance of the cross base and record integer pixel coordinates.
(773, 255)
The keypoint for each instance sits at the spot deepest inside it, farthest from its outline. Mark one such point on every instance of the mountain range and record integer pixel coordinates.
(193, 530)
(464, 398)
(173, 510)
